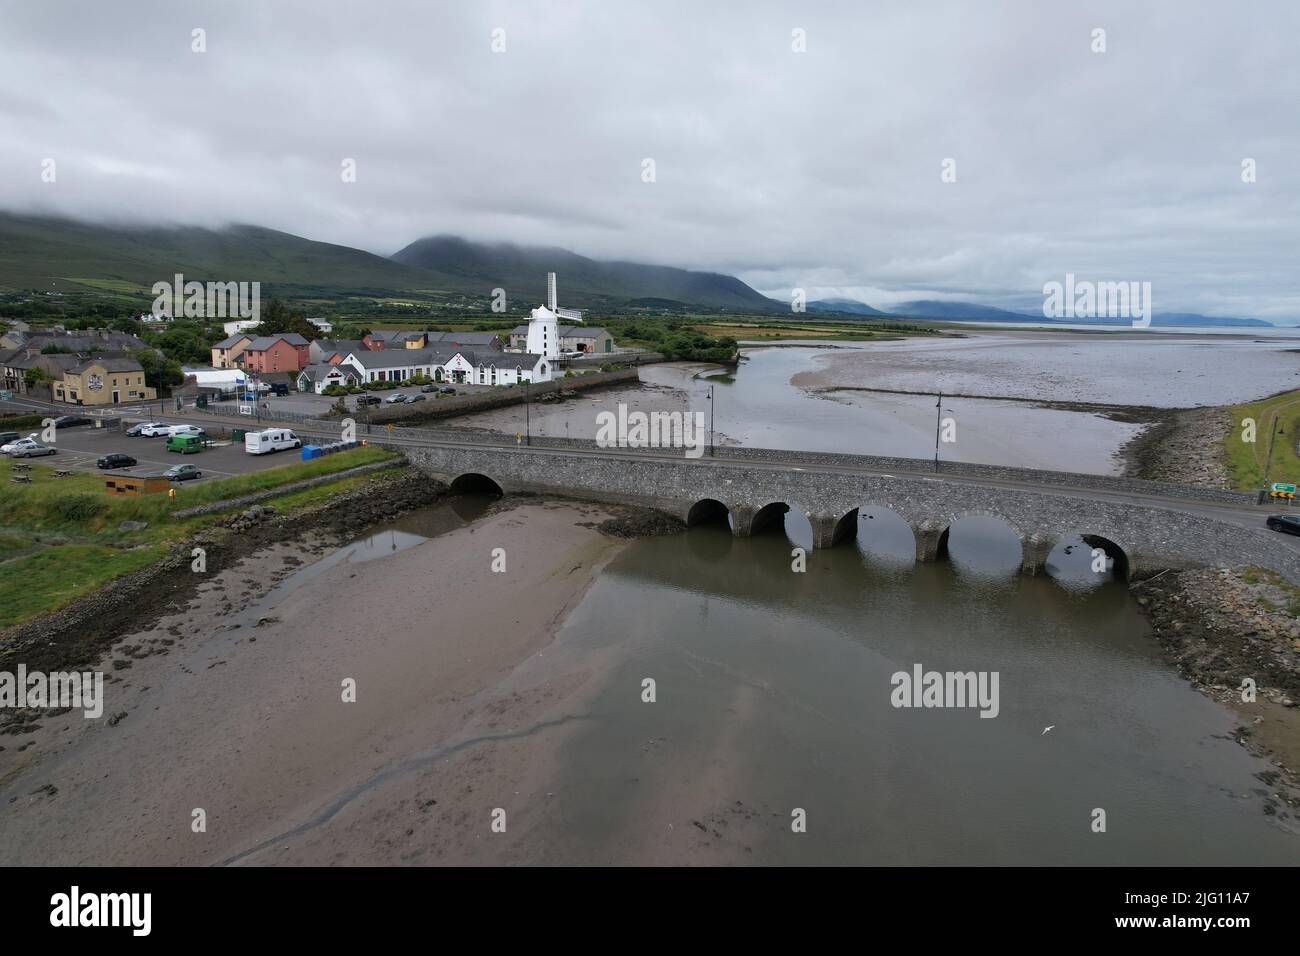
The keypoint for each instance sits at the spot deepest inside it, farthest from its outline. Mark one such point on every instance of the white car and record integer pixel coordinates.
(156, 429)
(174, 430)
(20, 445)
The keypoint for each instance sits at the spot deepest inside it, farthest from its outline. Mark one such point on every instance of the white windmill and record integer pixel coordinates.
(543, 327)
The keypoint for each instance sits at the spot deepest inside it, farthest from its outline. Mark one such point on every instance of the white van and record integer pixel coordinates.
(269, 440)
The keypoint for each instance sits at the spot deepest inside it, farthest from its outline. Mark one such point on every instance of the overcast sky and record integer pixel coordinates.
(819, 170)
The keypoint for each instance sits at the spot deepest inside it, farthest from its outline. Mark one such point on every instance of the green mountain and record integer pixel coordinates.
(62, 255)
(583, 282)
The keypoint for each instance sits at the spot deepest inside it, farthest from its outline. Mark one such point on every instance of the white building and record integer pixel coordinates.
(457, 366)
(241, 325)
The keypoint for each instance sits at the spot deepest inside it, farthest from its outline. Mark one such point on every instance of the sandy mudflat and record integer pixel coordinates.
(245, 719)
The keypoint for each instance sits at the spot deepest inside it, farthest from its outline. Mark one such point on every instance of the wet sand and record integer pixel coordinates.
(239, 712)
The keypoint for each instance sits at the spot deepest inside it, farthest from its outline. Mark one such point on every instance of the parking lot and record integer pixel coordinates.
(80, 447)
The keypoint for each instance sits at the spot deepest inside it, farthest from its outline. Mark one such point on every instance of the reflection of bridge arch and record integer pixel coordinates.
(473, 483)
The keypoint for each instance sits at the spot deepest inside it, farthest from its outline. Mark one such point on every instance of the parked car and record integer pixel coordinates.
(396, 398)
(33, 450)
(182, 473)
(412, 399)
(429, 388)
(115, 461)
(447, 390)
(138, 429)
(174, 430)
(7, 437)
(279, 388)
(72, 421)
(1287, 524)
(18, 444)
(368, 400)
(156, 430)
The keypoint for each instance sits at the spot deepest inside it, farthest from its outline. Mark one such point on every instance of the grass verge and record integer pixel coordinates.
(1277, 415)
(61, 538)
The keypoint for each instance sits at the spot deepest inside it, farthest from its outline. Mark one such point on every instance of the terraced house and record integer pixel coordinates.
(288, 352)
(103, 381)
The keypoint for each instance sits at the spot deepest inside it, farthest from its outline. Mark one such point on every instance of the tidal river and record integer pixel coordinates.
(773, 695)
(687, 699)
(880, 398)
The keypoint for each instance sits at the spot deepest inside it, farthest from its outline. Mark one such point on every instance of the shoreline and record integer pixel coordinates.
(264, 644)
(1218, 627)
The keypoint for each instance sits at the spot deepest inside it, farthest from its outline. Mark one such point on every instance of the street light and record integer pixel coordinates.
(711, 407)
(1268, 461)
(938, 415)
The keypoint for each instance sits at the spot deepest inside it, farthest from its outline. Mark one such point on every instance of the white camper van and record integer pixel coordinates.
(269, 440)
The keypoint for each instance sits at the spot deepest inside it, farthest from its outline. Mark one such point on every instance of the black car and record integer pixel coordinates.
(1287, 524)
(182, 473)
(368, 400)
(115, 461)
(429, 388)
(71, 421)
(447, 390)
(7, 437)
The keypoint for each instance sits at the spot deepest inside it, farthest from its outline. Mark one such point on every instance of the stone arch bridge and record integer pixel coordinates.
(1144, 526)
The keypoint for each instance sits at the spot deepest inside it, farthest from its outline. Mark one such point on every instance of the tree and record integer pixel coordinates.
(160, 371)
(278, 319)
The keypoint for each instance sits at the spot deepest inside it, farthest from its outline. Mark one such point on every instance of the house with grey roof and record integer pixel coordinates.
(573, 338)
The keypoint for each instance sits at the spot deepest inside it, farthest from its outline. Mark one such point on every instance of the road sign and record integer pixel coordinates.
(1284, 486)
(245, 409)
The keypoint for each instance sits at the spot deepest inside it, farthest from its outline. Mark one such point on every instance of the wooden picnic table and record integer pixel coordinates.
(20, 479)
(63, 473)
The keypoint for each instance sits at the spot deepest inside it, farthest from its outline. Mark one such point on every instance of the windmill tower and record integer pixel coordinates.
(544, 325)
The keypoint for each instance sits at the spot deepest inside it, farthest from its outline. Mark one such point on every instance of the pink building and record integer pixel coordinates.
(275, 353)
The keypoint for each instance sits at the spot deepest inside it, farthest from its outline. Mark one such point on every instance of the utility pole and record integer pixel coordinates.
(528, 432)
(938, 413)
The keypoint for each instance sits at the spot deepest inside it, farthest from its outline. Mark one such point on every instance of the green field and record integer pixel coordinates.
(1278, 415)
(60, 538)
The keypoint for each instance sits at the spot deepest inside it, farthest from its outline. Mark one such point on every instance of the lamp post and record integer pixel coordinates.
(938, 413)
(1272, 436)
(528, 433)
(711, 406)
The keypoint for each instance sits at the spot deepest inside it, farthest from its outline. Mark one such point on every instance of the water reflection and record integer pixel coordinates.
(774, 692)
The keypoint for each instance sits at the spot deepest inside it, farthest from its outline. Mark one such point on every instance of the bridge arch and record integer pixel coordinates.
(881, 533)
(473, 483)
(769, 517)
(990, 543)
(707, 511)
(1120, 556)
